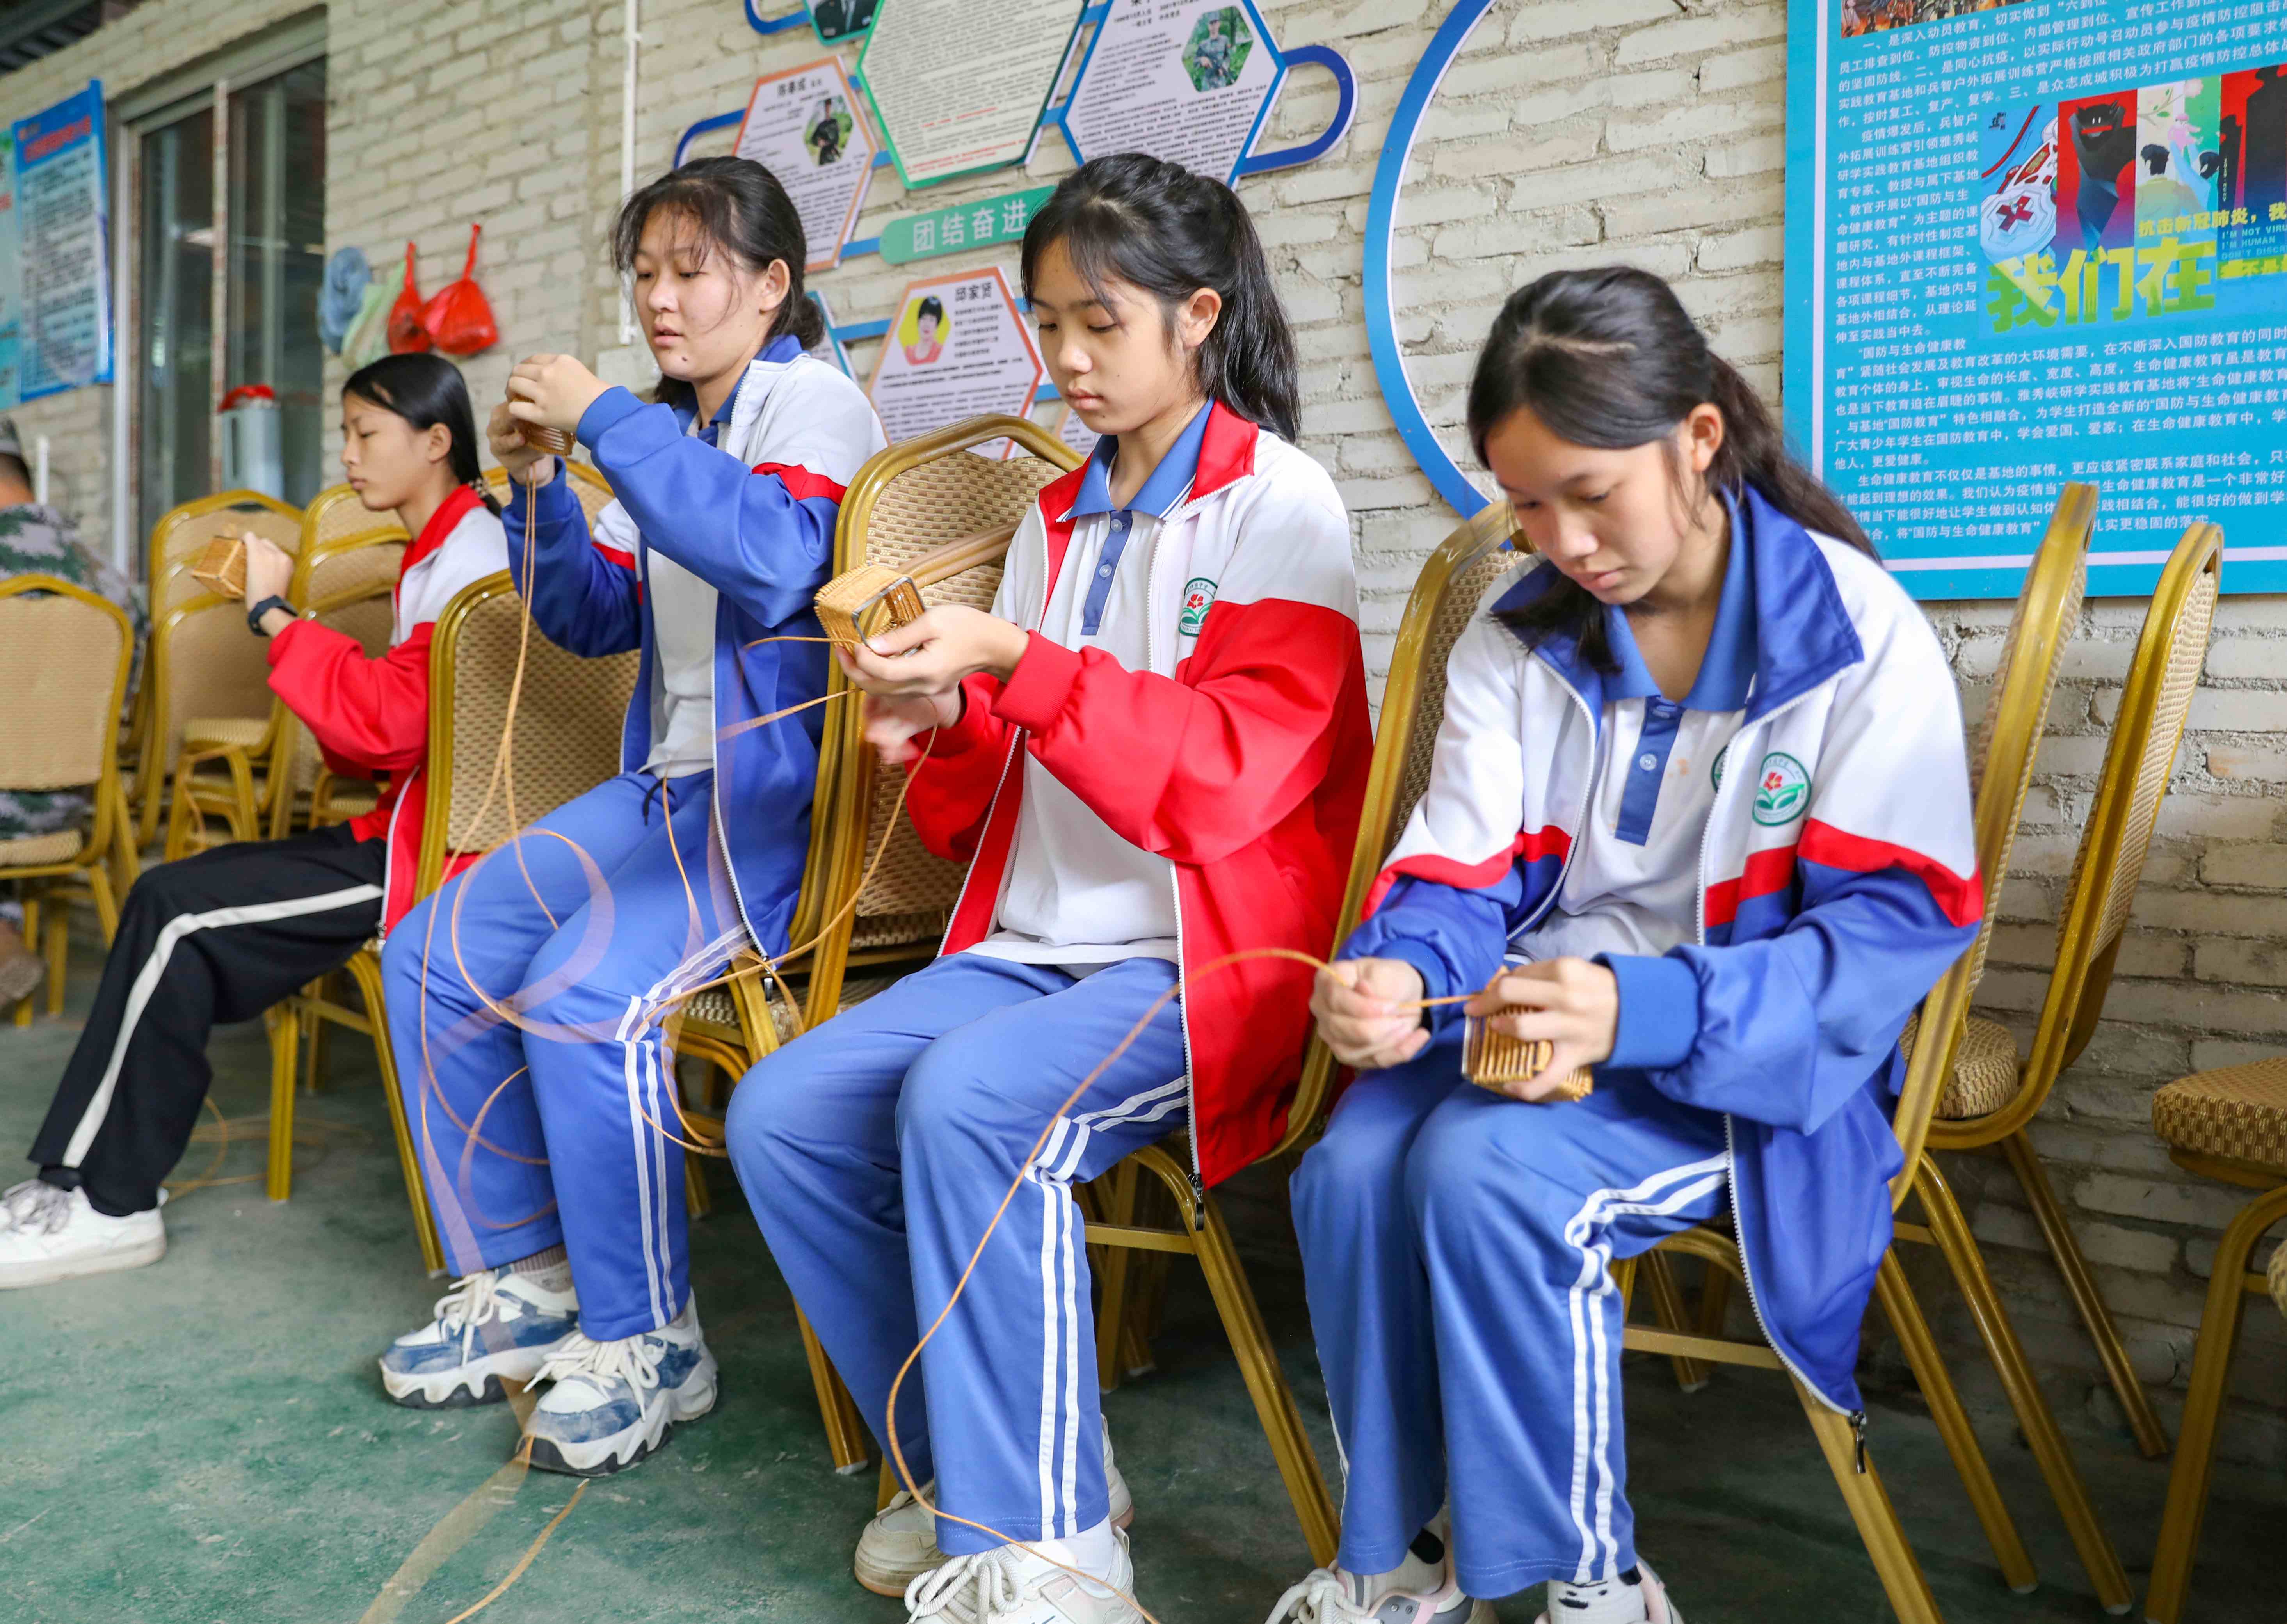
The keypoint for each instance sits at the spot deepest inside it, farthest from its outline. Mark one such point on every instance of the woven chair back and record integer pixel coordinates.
(61, 668)
(184, 533)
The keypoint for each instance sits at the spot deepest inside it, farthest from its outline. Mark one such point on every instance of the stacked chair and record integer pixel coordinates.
(64, 658)
(202, 662)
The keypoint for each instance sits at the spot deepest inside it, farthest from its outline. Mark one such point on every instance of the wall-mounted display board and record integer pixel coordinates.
(981, 223)
(1075, 433)
(61, 269)
(828, 349)
(1189, 81)
(841, 19)
(803, 125)
(958, 86)
(958, 348)
(2038, 242)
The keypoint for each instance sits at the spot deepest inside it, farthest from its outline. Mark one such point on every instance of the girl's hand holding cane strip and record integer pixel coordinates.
(1570, 1004)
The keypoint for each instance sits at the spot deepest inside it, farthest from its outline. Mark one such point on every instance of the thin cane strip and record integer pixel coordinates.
(468, 1144)
(531, 1550)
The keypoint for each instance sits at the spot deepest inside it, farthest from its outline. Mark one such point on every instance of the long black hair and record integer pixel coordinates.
(739, 207)
(1159, 227)
(1608, 358)
(426, 390)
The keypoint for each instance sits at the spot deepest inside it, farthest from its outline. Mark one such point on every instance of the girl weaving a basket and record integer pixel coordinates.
(226, 934)
(1700, 814)
(1153, 750)
(526, 998)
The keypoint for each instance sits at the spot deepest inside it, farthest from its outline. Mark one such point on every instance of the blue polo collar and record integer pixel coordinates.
(1727, 672)
(1160, 493)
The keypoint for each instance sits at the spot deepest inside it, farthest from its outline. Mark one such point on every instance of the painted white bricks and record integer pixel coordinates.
(1571, 132)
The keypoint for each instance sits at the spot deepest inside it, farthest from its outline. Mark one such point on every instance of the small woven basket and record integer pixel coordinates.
(222, 566)
(554, 442)
(871, 598)
(1490, 1059)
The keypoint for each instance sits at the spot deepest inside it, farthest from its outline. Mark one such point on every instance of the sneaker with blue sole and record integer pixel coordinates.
(492, 1328)
(610, 1404)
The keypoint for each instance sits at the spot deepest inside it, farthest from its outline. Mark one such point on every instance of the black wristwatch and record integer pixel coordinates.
(254, 615)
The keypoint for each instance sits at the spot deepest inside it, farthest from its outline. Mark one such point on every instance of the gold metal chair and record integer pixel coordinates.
(64, 659)
(1991, 1096)
(1451, 588)
(567, 741)
(199, 661)
(918, 498)
(343, 573)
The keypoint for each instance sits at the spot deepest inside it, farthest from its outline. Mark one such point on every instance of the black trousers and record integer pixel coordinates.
(218, 936)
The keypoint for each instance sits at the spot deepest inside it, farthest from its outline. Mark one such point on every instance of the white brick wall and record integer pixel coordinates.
(1571, 132)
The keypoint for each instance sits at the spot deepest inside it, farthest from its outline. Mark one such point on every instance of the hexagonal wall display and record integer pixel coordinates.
(959, 85)
(804, 126)
(1189, 81)
(959, 348)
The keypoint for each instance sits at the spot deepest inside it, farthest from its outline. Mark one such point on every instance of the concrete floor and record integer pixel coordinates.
(205, 1441)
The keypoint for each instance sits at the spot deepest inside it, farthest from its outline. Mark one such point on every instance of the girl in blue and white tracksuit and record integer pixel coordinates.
(525, 998)
(1699, 816)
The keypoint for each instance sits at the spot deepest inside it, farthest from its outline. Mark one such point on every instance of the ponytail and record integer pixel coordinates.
(1158, 226)
(427, 389)
(1609, 358)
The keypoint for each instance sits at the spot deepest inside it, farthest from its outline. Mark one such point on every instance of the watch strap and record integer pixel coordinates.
(254, 615)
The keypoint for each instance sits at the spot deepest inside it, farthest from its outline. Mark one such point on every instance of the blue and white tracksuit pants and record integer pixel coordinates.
(875, 1151)
(1456, 1246)
(585, 926)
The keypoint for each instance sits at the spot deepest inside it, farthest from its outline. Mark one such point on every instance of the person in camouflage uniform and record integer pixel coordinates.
(39, 540)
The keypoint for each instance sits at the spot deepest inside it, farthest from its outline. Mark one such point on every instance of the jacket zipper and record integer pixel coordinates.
(389, 848)
(1857, 1418)
(714, 718)
(1587, 799)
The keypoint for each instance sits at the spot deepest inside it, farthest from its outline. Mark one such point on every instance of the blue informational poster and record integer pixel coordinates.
(12, 300)
(2031, 241)
(63, 240)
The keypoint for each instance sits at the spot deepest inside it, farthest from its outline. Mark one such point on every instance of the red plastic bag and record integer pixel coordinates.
(405, 333)
(460, 318)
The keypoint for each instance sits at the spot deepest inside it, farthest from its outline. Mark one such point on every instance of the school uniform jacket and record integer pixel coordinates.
(370, 717)
(1239, 756)
(753, 517)
(1838, 880)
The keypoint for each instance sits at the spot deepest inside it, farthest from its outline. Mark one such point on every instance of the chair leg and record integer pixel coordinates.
(1111, 1274)
(245, 821)
(179, 824)
(2151, 1437)
(1894, 1559)
(696, 1197)
(25, 1006)
(1951, 1232)
(1668, 1308)
(285, 1063)
(1714, 1301)
(107, 904)
(2196, 1434)
(128, 865)
(1906, 1317)
(1266, 1382)
(365, 969)
(846, 1438)
(59, 952)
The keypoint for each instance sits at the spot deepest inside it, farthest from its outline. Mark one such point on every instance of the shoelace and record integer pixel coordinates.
(474, 1300)
(628, 1358)
(987, 1585)
(1322, 1598)
(35, 1205)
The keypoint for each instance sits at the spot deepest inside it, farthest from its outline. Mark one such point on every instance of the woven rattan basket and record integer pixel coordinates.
(1490, 1059)
(221, 567)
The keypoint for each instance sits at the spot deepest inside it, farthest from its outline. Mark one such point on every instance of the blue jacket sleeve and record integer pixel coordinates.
(582, 599)
(1455, 937)
(1784, 1029)
(746, 533)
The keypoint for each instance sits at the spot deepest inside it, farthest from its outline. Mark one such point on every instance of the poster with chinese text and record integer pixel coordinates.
(2031, 241)
(803, 126)
(958, 348)
(959, 85)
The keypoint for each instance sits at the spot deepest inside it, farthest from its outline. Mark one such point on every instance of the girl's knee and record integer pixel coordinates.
(947, 1097)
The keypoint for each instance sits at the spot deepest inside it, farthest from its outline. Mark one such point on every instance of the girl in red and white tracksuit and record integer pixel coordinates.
(226, 934)
(1152, 752)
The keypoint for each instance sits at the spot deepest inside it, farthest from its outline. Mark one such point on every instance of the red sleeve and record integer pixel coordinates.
(1199, 769)
(372, 714)
(952, 790)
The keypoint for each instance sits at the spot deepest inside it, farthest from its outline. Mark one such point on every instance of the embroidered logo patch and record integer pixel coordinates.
(1715, 773)
(1199, 597)
(1783, 794)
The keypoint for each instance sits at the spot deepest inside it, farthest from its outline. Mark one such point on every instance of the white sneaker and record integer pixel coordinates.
(48, 1234)
(899, 1545)
(1330, 1596)
(1009, 1586)
(492, 1327)
(613, 1402)
(1657, 1608)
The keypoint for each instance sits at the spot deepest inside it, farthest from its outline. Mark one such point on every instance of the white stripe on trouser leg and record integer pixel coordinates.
(631, 1066)
(1592, 1396)
(1067, 1215)
(1050, 1328)
(146, 981)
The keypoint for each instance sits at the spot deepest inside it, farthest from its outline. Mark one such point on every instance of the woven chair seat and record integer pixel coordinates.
(1984, 1069)
(350, 798)
(715, 1008)
(243, 732)
(2237, 1112)
(35, 850)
